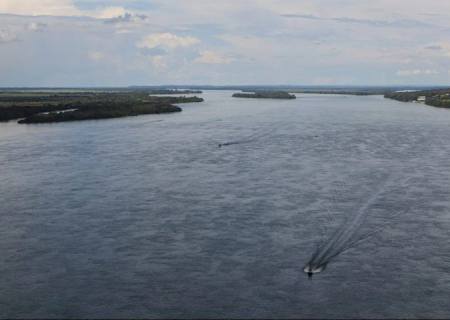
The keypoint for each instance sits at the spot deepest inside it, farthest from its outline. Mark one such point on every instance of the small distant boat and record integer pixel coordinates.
(312, 270)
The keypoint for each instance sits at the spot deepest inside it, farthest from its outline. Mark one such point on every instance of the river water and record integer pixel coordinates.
(147, 217)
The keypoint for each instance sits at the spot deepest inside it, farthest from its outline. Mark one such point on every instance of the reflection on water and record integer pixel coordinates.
(138, 217)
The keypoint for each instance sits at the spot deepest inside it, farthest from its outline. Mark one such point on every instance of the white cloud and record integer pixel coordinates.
(445, 48)
(159, 62)
(123, 31)
(7, 36)
(61, 8)
(417, 72)
(36, 26)
(96, 55)
(166, 40)
(211, 57)
(39, 7)
(110, 12)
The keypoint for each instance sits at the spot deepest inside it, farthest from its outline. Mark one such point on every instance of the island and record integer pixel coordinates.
(54, 106)
(265, 95)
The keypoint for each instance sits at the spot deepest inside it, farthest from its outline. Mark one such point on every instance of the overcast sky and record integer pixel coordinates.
(309, 42)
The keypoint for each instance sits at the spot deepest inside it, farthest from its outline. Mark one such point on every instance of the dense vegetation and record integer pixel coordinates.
(345, 92)
(404, 96)
(102, 111)
(17, 112)
(265, 95)
(437, 98)
(441, 101)
(39, 107)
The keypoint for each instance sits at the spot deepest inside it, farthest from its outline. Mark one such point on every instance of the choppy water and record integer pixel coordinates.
(148, 217)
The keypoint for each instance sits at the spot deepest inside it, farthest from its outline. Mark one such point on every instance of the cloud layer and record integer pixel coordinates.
(166, 40)
(124, 42)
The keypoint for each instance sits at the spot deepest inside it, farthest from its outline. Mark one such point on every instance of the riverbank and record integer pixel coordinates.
(436, 98)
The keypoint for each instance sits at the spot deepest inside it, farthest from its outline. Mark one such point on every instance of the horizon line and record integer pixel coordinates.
(227, 86)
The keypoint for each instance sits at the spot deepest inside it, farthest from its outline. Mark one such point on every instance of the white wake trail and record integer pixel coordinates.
(340, 241)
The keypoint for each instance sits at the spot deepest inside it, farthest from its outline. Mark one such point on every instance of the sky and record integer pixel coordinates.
(218, 42)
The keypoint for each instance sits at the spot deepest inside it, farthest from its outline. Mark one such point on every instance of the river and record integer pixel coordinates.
(147, 217)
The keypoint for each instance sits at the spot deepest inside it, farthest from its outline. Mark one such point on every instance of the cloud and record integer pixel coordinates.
(110, 13)
(60, 8)
(417, 72)
(313, 41)
(438, 49)
(158, 51)
(7, 36)
(434, 47)
(159, 62)
(39, 7)
(127, 18)
(166, 40)
(96, 55)
(36, 26)
(404, 23)
(211, 57)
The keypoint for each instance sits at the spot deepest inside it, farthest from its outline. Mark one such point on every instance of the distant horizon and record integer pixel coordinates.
(337, 86)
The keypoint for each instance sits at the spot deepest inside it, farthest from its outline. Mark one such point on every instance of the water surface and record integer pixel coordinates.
(147, 217)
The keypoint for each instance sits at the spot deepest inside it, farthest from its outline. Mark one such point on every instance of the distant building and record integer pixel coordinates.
(422, 99)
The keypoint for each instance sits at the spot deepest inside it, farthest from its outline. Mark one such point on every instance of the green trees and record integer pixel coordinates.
(102, 111)
(265, 95)
(41, 107)
(436, 98)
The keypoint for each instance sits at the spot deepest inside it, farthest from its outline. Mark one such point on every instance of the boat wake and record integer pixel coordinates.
(342, 240)
(252, 138)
